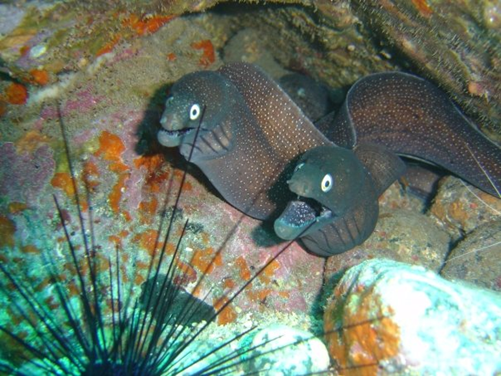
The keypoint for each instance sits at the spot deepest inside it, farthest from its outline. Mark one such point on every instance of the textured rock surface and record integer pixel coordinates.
(400, 235)
(403, 233)
(461, 208)
(476, 258)
(111, 111)
(282, 350)
(386, 317)
(454, 44)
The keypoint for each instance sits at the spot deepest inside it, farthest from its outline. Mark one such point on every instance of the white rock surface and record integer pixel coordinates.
(405, 319)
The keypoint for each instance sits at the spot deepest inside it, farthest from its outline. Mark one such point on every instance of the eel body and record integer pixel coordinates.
(412, 117)
(249, 136)
(246, 135)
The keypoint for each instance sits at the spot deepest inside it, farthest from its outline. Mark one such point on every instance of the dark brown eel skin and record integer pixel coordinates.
(412, 117)
(252, 135)
(338, 189)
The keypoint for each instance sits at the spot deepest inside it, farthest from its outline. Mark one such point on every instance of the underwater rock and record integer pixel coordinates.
(400, 235)
(247, 46)
(10, 17)
(388, 317)
(461, 208)
(431, 35)
(422, 181)
(108, 112)
(25, 171)
(476, 258)
(177, 303)
(282, 350)
(397, 197)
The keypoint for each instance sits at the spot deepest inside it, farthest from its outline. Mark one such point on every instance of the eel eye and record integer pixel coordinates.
(194, 112)
(326, 183)
(299, 166)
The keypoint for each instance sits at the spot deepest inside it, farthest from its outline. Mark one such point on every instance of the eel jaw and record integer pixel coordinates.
(171, 138)
(173, 131)
(301, 217)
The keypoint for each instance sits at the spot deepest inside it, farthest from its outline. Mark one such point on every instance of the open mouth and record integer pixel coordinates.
(174, 137)
(177, 133)
(301, 217)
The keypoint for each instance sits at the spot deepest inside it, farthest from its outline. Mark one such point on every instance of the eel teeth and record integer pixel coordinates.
(178, 132)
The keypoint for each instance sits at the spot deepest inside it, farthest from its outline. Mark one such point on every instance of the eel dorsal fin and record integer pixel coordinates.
(384, 166)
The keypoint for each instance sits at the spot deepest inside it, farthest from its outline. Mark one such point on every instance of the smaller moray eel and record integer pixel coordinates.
(312, 97)
(412, 117)
(338, 189)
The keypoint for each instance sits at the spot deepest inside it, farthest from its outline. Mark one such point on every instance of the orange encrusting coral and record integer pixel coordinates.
(259, 295)
(147, 240)
(155, 177)
(147, 210)
(139, 279)
(62, 180)
(117, 240)
(111, 148)
(208, 54)
(90, 172)
(30, 248)
(42, 285)
(227, 315)
(423, 7)
(243, 268)
(31, 141)
(229, 283)
(39, 76)
(116, 195)
(16, 94)
(268, 273)
(365, 337)
(206, 260)
(186, 273)
(108, 47)
(7, 230)
(146, 25)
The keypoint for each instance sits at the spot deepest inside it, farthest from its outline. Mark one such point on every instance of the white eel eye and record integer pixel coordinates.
(298, 167)
(327, 183)
(194, 112)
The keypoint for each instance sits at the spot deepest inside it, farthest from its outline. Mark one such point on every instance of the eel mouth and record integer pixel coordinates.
(173, 137)
(301, 217)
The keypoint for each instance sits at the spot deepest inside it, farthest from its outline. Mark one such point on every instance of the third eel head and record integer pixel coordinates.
(204, 92)
(328, 180)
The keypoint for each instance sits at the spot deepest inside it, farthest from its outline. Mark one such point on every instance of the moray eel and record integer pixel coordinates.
(248, 138)
(338, 188)
(312, 97)
(411, 117)
(251, 135)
